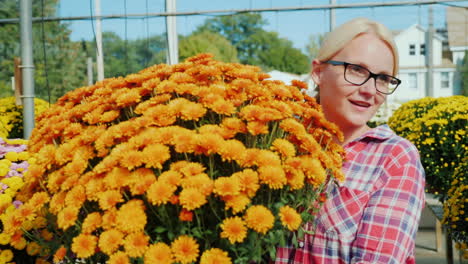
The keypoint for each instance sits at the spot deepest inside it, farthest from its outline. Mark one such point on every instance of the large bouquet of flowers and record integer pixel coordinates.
(202, 161)
(11, 116)
(437, 126)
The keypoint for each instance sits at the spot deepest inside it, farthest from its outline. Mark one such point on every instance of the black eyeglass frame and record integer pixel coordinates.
(371, 75)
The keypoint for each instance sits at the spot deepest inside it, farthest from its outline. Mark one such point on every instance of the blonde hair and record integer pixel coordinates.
(338, 38)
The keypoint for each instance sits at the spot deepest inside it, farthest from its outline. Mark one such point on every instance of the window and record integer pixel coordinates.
(412, 49)
(444, 80)
(422, 49)
(413, 81)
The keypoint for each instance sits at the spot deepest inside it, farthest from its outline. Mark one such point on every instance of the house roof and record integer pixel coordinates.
(397, 33)
(457, 26)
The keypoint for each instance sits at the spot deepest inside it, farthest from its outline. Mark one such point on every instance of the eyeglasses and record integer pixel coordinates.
(359, 75)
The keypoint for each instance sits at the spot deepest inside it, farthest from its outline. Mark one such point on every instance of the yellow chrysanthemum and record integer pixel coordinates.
(6, 255)
(215, 256)
(290, 218)
(234, 229)
(110, 241)
(84, 245)
(259, 218)
(159, 253)
(136, 244)
(191, 198)
(185, 249)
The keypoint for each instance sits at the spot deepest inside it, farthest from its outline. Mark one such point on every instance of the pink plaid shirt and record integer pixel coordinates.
(373, 216)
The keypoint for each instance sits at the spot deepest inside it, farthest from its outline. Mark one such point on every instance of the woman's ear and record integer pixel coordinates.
(316, 73)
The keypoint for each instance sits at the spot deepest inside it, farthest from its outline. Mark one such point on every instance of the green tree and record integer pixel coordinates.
(63, 66)
(273, 52)
(463, 69)
(122, 57)
(205, 41)
(255, 45)
(313, 46)
(238, 29)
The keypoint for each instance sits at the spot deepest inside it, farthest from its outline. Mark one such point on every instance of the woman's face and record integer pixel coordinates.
(348, 105)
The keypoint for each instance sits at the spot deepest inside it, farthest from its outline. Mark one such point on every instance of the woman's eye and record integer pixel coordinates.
(358, 69)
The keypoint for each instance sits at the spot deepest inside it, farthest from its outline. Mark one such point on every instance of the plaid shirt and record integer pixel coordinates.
(373, 216)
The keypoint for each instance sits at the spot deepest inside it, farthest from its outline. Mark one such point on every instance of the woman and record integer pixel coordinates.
(373, 216)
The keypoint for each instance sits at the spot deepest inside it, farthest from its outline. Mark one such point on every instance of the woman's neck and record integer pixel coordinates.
(351, 134)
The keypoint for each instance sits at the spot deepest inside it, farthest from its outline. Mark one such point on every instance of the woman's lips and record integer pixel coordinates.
(360, 103)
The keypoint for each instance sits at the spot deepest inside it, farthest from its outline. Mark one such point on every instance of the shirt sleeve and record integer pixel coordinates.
(390, 220)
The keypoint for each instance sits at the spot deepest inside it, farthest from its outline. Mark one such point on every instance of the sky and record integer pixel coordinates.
(296, 26)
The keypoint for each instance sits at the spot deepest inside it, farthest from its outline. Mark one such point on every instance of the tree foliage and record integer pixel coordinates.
(313, 45)
(54, 52)
(463, 69)
(205, 41)
(255, 45)
(122, 57)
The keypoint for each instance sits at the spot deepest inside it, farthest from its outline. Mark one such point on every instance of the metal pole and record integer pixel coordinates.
(99, 52)
(430, 57)
(171, 32)
(332, 15)
(27, 66)
(89, 64)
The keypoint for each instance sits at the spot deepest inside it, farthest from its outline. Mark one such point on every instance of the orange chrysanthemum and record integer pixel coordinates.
(201, 181)
(141, 180)
(273, 176)
(84, 245)
(290, 218)
(237, 203)
(284, 147)
(117, 178)
(186, 215)
(170, 177)
(248, 180)
(136, 244)
(234, 229)
(224, 186)
(76, 197)
(155, 155)
(259, 218)
(215, 256)
(159, 253)
(232, 150)
(60, 254)
(160, 192)
(67, 217)
(295, 178)
(119, 258)
(91, 222)
(131, 216)
(109, 199)
(185, 249)
(191, 198)
(110, 241)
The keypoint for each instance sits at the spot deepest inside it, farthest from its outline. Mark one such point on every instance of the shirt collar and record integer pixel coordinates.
(380, 133)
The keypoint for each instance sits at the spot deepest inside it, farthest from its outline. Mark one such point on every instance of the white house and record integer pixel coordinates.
(412, 46)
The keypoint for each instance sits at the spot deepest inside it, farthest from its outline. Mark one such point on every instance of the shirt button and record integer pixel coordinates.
(301, 244)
